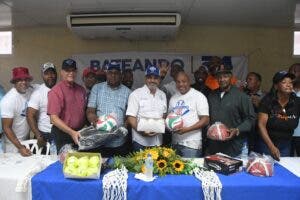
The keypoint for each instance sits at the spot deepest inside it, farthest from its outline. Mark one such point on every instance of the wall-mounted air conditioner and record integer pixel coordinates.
(133, 26)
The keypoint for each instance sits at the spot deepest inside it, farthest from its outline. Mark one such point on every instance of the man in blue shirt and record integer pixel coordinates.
(110, 98)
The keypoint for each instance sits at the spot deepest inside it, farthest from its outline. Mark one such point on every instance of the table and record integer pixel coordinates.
(14, 167)
(51, 184)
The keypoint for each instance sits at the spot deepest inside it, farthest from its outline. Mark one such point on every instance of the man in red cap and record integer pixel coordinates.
(92, 76)
(13, 112)
(89, 78)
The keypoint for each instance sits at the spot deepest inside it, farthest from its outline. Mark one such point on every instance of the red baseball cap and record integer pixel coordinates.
(88, 70)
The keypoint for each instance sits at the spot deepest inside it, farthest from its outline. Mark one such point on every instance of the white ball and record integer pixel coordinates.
(106, 123)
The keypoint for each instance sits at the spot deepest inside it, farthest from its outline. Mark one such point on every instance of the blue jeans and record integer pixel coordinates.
(137, 147)
(187, 152)
(284, 147)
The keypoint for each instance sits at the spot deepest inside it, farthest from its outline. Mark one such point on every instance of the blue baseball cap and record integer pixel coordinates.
(69, 63)
(95, 65)
(152, 70)
(114, 65)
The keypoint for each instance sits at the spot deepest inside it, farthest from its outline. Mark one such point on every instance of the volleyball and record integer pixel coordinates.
(174, 121)
(106, 123)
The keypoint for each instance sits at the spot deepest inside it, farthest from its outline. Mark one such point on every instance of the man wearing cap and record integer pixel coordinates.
(89, 78)
(230, 106)
(37, 117)
(146, 102)
(215, 64)
(110, 98)
(66, 106)
(278, 116)
(192, 106)
(13, 112)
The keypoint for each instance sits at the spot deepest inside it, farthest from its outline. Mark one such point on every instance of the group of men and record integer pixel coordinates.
(56, 112)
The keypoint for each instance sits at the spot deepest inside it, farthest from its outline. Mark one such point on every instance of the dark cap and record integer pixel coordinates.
(152, 70)
(223, 70)
(279, 76)
(113, 65)
(69, 63)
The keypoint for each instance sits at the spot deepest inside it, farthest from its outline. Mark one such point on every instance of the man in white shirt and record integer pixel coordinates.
(37, 117)
(146, 102)
(13, 112)
(192, 106)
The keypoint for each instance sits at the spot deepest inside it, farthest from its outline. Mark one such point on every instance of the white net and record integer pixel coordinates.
(211, 184)
(115, 185)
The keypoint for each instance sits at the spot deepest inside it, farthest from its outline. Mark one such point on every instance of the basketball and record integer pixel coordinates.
(217, 131)
(260, 167)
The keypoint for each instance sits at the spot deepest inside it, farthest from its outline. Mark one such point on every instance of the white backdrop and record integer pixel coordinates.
(137, 61)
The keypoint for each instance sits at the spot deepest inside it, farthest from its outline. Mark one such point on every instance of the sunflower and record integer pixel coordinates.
(152, 152)
(178, 165)
(161, 164)
(166, 153)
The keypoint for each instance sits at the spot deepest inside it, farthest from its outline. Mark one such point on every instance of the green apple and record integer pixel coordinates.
(72, 161)
(83, 162)
(94, 161)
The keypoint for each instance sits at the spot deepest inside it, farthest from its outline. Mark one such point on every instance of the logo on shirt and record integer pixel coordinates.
(282, 115)
(180, 108)
(23, 112)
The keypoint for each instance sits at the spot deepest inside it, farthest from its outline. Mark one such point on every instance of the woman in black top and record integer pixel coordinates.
(278, 116)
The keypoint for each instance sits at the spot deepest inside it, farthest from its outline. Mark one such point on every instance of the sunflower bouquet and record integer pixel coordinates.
(165, 161)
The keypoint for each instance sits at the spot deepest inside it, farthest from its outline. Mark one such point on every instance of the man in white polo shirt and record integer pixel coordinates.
(192, 106)
(146, 102)
(37, 117)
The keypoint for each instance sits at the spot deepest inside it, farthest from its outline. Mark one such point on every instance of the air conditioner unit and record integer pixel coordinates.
(132, 26)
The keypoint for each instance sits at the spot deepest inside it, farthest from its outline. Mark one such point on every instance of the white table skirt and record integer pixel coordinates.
(14, 168)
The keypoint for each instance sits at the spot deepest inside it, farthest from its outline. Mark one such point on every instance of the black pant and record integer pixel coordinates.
(295, 146)
(108, 152)
(61, 138)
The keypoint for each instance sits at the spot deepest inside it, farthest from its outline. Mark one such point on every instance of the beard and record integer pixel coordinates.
(152, 86)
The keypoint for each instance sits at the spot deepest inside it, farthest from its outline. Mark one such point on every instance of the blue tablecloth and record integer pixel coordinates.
(51, 184)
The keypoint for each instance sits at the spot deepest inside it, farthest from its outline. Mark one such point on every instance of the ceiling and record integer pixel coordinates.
(279, 13)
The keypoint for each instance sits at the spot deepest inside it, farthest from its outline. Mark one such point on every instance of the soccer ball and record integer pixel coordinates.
(174, 121)
(106, 123)
(217, 131)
